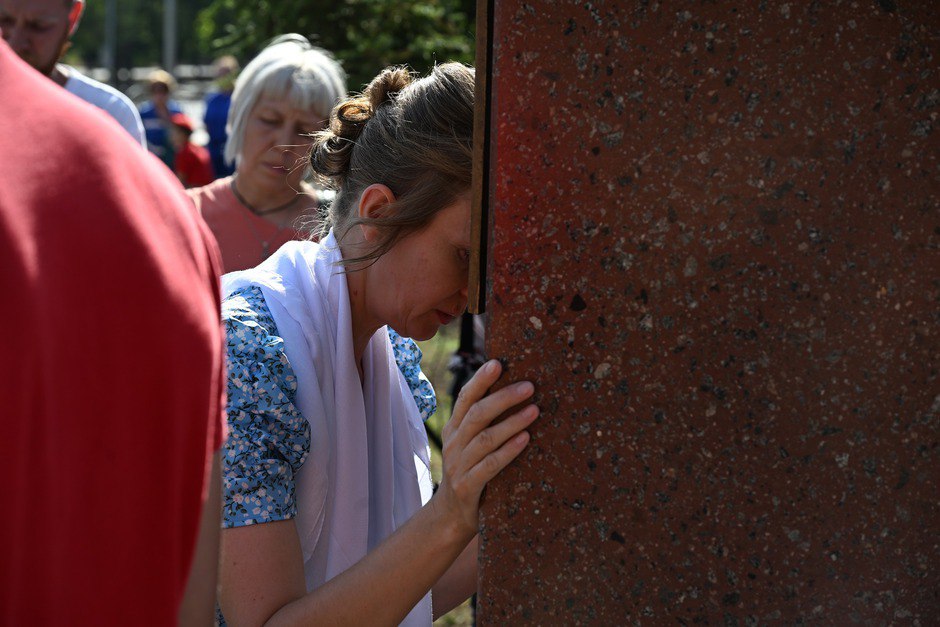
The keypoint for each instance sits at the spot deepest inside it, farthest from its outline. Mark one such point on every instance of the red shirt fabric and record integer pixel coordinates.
(246, 239)
(193, 165)
(111, 376)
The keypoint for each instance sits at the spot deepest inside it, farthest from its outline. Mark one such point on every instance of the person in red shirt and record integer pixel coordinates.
(193, 164)
(112, 372)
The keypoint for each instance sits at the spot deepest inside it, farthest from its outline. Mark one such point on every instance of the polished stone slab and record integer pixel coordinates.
(713, 245)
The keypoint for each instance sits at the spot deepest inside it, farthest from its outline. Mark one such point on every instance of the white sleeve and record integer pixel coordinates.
(127, 116)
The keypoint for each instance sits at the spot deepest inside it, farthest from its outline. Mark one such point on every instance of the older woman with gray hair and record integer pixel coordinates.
(283, 96)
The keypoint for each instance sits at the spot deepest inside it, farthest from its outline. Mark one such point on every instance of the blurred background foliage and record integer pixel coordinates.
(365, 35)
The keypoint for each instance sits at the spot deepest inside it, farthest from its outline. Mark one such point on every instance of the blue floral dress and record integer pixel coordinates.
(268, 438)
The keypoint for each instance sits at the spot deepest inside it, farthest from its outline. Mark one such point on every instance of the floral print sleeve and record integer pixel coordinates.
(268, 438)
(408, 357)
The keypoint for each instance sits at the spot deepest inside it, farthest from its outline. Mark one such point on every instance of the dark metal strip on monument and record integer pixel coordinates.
(479, 227)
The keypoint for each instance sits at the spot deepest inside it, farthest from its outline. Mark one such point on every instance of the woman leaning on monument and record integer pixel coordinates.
(328, 510)
(281, 98)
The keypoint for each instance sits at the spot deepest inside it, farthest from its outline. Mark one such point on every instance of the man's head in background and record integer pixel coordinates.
(39, 30)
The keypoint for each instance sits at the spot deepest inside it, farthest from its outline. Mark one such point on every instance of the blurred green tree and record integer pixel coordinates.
(365, 35)
(139, 34)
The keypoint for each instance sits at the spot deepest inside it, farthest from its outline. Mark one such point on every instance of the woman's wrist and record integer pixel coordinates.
(448, 523)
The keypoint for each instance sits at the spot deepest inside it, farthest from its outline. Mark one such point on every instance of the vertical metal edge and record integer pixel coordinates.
(480, 216)
(479, 220)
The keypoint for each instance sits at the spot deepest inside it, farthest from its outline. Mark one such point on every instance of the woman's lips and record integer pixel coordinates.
(444, 317)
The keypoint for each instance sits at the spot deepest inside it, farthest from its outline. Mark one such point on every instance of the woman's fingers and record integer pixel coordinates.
(486, 456)
(492, 438)
(473, 390)
(478, 416)
(485, 410)
(493, 463)
(475, 449)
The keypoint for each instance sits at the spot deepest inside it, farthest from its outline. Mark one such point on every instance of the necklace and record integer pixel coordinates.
(255, 210)
(265, 244)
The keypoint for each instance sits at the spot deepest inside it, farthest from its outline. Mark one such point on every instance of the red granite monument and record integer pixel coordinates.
(712, 242)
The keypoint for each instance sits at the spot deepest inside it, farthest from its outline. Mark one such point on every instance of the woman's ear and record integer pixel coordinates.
(374, 202)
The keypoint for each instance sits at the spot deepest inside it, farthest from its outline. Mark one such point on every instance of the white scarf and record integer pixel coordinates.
(368, 470)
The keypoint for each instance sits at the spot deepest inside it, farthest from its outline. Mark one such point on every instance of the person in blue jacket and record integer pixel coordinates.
(218, 103)
(156, 114)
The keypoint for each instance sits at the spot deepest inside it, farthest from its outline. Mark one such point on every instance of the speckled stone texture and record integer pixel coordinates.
(713, 245)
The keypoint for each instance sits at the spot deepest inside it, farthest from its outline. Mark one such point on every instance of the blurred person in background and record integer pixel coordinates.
(217, 104)
(156, 114)
(39, 32)
(192, 164)
(283, 96)
(112, 517)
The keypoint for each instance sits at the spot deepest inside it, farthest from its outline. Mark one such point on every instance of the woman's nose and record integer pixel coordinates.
(286, 138)
(285, 145)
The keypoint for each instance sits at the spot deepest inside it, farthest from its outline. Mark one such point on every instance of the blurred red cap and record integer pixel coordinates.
(182, 120)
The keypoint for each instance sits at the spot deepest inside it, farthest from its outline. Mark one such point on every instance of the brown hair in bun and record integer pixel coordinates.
(415, 136)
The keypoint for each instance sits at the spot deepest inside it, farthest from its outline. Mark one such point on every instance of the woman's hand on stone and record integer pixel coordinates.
(475, 449)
